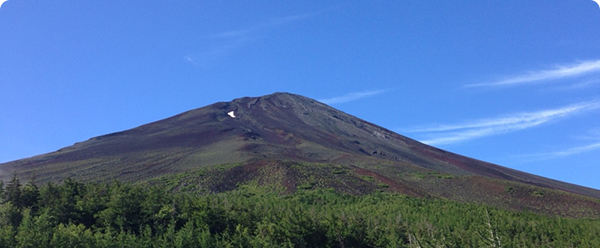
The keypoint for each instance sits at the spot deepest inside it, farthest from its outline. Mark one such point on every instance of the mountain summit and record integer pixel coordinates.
(297, 143)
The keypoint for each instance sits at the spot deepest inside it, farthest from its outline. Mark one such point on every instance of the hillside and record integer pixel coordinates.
(296, 143)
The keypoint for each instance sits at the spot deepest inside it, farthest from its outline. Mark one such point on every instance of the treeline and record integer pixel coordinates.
(73, 214)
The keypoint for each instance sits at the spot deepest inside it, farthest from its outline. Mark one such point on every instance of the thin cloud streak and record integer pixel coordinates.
(352, 96)
(455, 137)
(546, 75)
(231, 40)
(255, 28)
(544, 115)
(576, 150)
(448, 134)
(211, 55)
(581, 85)
(566, 152)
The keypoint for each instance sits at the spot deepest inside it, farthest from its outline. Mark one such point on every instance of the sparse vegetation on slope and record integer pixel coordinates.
(291, 176)
(295, 144)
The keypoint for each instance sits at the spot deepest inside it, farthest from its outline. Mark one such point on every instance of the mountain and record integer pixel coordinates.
(297, 143)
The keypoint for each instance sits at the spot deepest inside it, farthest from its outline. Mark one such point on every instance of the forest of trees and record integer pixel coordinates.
(74, 214)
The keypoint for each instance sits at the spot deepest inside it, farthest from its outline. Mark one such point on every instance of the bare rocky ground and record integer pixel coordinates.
(297, 143)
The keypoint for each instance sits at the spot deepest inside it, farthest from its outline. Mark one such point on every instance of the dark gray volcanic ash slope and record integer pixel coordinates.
(285, 128)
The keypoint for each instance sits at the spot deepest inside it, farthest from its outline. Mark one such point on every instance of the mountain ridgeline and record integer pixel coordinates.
(297, 143)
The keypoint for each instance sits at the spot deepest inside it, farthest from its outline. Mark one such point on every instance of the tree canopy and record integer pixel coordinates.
(74, 214)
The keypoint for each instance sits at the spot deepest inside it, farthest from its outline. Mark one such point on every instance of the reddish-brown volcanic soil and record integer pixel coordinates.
(276, 139)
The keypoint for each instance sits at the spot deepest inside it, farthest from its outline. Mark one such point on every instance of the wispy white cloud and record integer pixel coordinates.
(468, 134)
(559, 72)
(224, 43)
(448, 134)
(576, 150)
(214, 53)
(532, 117)
(252, 29)
(592, 140)
(593, 134)
(352, 96)
(584, 84)
(564, 153)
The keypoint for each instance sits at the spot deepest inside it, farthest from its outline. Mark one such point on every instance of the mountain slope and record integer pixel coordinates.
(296, 142)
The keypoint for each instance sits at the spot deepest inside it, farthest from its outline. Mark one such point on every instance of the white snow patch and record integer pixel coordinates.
(231, 114)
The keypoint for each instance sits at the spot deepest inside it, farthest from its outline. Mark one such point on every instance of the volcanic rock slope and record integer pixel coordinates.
(297, 143)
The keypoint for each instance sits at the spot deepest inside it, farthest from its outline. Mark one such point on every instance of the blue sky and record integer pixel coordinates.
(511, 82)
